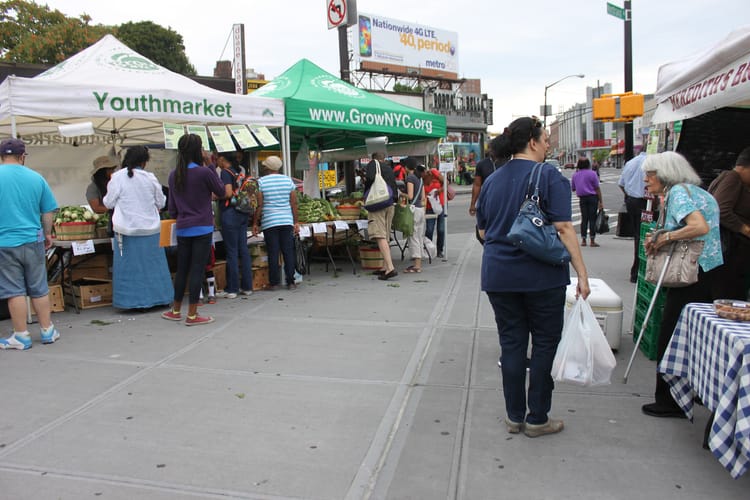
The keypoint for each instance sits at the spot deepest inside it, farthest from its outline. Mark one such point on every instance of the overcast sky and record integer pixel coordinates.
(516, 48)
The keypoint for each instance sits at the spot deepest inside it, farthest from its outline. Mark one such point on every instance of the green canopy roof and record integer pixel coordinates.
(331, 113)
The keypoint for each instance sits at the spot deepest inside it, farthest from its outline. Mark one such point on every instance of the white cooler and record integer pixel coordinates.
(607, 306)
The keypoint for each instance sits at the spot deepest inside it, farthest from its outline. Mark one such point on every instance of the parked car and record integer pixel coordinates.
(569, 165)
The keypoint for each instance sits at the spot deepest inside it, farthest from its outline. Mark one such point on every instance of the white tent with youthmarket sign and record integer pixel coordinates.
(332, 114)
(126, 97)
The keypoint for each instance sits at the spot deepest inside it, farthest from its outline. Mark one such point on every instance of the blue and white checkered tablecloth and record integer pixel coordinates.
(709, 356)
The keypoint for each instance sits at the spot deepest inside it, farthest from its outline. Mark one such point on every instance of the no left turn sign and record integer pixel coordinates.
(336, 13)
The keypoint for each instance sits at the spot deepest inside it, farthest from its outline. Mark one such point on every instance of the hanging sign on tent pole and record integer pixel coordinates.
(447, 157)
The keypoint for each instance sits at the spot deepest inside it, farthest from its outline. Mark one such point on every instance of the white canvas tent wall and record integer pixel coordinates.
(716, 78)
(125, 95)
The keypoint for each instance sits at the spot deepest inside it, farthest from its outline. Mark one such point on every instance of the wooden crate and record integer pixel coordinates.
(96, 266)
(88, 293)
(260, 278)
(74, 231)
(56, 299)
(220, 274)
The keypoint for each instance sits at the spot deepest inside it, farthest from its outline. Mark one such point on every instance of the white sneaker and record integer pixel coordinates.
(245, 292)
(227, 295)
(20, 342)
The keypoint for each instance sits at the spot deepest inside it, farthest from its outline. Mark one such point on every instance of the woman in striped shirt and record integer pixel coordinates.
(277, 211)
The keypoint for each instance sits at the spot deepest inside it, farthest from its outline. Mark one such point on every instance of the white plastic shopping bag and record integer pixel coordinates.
(434, 198)
(430, 247)
(583, 355)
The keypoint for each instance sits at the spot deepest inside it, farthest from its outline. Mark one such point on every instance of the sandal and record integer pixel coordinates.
(412, 269)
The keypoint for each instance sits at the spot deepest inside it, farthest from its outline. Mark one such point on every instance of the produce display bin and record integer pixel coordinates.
(75, 231)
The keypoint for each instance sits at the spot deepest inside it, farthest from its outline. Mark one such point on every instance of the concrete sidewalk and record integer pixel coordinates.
(347, 388)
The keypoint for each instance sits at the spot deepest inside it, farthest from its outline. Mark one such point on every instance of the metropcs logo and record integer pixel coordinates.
(337, 86)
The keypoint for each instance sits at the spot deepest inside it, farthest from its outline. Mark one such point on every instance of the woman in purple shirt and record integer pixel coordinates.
(585, 183)
(190, 188)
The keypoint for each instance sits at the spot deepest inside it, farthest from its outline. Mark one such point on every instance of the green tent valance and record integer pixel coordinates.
(332, 114)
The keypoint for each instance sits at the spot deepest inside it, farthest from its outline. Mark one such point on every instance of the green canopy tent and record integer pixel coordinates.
(332, 114)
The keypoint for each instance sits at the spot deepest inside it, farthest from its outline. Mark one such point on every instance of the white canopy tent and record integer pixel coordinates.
(715, 78)
(126, 96)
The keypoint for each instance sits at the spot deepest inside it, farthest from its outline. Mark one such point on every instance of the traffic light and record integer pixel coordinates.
(631, 105)
(604, 108)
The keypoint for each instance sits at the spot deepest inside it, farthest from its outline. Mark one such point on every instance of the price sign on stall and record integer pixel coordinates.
(82, 247)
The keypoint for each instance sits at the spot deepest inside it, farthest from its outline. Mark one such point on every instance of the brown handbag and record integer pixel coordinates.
(682, 269)
(682, 264)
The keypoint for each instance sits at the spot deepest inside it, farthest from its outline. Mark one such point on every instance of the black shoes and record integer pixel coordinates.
(387, 276)
(656, 410)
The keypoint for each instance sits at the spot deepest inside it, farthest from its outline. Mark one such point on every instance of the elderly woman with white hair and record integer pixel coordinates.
(690, 212)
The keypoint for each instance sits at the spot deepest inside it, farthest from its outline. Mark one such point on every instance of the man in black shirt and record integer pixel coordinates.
(483, 170)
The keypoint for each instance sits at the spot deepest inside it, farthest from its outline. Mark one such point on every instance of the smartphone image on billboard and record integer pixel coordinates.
(365, 36)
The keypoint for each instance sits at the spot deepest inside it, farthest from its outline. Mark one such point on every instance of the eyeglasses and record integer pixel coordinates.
(651, 173)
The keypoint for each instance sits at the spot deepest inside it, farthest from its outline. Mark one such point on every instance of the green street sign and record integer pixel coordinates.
(614, 10)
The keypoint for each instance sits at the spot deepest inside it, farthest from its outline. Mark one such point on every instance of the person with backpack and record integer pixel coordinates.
(235, 217)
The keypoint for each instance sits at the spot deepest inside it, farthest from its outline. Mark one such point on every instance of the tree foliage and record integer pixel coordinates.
(32, 33)
(162, 45)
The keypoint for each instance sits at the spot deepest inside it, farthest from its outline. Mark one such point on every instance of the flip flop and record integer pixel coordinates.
(412, 269)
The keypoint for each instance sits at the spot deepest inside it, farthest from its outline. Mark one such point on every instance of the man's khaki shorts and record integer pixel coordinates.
(379, 224)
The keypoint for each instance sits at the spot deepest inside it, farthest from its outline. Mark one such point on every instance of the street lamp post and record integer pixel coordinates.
(552, 85)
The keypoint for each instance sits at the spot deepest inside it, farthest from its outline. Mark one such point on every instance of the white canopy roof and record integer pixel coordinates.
(121, 91)
(716, 78)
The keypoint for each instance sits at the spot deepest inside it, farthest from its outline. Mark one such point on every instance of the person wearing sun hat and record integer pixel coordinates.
(28, 207)
(100, 175)
(277, 215)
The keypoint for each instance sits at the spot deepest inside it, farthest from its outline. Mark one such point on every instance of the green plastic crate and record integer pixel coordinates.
(646, 227)
(650, 336)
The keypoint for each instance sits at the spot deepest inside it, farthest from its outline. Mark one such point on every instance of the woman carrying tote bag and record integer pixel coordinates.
(527, 295)
(691, 212)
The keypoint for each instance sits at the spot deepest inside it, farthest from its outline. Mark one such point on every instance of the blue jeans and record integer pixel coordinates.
(234, 233)
(430, 230)
(280, 239)
(517, 314)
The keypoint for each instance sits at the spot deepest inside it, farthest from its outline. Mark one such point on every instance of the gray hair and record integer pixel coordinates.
(671, 169)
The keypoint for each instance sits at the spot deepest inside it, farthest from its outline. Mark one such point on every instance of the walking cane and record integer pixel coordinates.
(648, 313)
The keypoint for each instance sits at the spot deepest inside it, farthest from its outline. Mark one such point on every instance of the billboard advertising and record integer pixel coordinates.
(387, 45)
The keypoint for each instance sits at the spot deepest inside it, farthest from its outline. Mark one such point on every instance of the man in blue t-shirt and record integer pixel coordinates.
(28, 209)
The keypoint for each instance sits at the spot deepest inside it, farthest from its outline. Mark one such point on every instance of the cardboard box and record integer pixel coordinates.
(260, 278)
(89, 292)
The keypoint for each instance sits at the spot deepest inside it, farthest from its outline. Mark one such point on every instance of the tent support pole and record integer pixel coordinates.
(286, 154)
(13, 132)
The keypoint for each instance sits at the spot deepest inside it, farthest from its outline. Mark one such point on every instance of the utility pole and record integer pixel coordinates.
(628, 77)
(344, 53)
